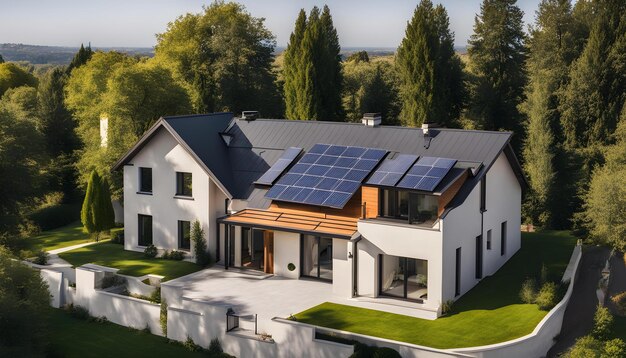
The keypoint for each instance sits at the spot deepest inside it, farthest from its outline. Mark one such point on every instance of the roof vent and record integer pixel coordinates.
(426, 127)
(249, 115)
(371, 119)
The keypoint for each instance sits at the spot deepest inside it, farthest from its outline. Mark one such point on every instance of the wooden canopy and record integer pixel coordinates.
(283, 219)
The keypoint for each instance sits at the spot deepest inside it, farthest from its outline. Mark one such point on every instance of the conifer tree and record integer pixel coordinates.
(553, 45)
(80, 58)
(87, 213)
(312, 69)
(97, 211)
(1, 59)
(497, 54)
(430, 72)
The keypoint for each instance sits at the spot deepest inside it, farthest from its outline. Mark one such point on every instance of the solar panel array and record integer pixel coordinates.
(288, 156)
(426, 174)
(391, 171)
(328, 175)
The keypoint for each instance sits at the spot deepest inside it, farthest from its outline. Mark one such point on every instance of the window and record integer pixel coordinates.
(145, 180)
(483, 194)
(457, 277)
(184, 235)
(503, 238)
(488, 239)
(403, 277)
(183, 184)
(479, 256)
(413, 207)
(316, 257)
(145, 230)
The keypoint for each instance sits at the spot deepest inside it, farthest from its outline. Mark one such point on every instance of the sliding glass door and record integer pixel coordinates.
(317, 257)
(252, 254)
(403, 277)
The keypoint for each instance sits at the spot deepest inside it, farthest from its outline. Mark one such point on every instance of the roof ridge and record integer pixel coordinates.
(196, 115)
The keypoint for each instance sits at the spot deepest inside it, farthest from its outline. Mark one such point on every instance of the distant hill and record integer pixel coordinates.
(58, 55)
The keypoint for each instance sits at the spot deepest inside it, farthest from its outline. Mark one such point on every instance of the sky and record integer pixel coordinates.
(134, 23)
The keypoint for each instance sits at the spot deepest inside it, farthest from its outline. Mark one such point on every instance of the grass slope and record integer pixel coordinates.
(129, 262)
(490, 313)
(65, 236)
(72, 337)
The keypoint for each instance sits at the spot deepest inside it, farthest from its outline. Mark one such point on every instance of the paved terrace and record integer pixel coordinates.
(252, 292)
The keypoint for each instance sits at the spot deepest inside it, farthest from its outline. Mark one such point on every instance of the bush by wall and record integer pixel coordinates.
(528, 292)
(602, 323)
(52, 217)
(547, 296)
(150, 251)
(620, 302)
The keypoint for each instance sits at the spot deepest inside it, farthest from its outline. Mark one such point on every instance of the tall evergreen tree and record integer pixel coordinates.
(97, 211)
(554, 43)
(80, 58)
(592, 101)
(497, 55)
(430, 71)
(88, 211)
(1, 59)
(313, 77)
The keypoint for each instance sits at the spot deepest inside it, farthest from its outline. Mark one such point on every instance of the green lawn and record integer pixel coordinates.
(65, 236)
(129, 262)
(73, 337)
(490, 313)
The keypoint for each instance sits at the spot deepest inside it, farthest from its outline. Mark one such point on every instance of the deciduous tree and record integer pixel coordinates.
(12, 75)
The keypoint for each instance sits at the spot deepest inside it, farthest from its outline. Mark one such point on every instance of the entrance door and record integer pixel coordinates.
(252, 248)
(317, 257)
(268, 251)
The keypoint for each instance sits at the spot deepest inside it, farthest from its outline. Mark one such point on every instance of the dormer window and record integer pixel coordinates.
(416, 208)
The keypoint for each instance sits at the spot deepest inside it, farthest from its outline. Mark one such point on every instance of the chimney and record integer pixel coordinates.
(371, 119)
(426, 127)
(104, 130)
(249, 115)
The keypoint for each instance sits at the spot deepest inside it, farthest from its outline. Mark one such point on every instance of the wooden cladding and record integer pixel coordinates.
(351, 210)
(449, 194)
(369, 200)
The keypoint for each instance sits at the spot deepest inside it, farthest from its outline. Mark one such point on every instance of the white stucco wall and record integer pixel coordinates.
(462, 225)
(381, 237)
(342, 269)
(286, 251)
(166, 157)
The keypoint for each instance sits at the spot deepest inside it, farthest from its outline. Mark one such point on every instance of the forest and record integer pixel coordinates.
(558, 85)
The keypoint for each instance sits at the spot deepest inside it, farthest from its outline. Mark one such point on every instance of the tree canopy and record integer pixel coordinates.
(312, 69)
(224, 57)
(429, 70)
(12, 75)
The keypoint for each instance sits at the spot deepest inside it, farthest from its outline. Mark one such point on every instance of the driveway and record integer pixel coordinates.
(250, 292)
(578, 319)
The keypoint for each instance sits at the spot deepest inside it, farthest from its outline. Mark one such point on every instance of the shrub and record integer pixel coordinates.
(150, 251)
(364, 351)
(602, 322)
(547, 296)
(41, 258)
(528, 292)
(165, 255)
(177, 255)
(79, 312)
(113, 280)
(446, 306)
(199, 244)
(215, 347)
(55, 216)
(291, 267)
(156, 295)
(118, 237)
(146, 329)
(191, 345)
(620, 302)
(586, 346)
(101, 319)
(163, 317)
(386, 352)
(291, 317)
(614, 348)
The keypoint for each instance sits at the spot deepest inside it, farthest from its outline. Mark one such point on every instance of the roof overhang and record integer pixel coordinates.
(150, 133)
(312, 223)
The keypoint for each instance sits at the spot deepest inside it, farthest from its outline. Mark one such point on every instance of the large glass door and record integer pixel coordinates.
(252, 253)
(317, 257)
(403, 277)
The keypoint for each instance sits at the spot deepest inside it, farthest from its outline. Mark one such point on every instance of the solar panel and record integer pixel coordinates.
(391, 170)
(427, 173)
(328, 175)
(285, 160)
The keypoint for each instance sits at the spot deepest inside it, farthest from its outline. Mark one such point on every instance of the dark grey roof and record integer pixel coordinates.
(255, 145)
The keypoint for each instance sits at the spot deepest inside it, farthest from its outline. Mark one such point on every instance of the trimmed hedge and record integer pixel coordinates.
(52, 217)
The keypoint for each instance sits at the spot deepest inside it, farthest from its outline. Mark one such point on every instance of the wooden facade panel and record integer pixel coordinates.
(370, 198)
(447, 196)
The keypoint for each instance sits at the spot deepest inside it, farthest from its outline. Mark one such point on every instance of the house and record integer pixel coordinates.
(405, 216)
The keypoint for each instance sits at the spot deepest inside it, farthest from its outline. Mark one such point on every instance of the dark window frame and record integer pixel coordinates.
(457, 278)
(182, 243)
(143, 186)
(141, 234)
(405, 297)
(503, 228)
(483, 194)
(318, 274)
(489, 239)
(479, 257)
(182, 189)
(394, 205)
